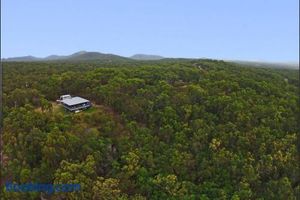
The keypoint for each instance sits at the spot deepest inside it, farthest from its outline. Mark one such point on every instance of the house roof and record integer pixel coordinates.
(74, 101)
(65, 96)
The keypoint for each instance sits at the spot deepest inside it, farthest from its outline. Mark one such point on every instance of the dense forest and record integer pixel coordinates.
(169, 129)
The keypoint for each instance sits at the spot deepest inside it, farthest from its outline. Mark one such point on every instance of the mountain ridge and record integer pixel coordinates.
(84, 55)
(77, 56)
(107, 57)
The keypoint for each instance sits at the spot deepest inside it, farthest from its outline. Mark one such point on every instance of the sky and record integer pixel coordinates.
(256, 30)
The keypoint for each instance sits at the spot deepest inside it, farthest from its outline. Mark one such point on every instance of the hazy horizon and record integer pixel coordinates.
(225, 59)
(190, 29)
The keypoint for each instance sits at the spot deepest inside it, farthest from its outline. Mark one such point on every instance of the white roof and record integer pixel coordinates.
(65, 96)
(74, 101)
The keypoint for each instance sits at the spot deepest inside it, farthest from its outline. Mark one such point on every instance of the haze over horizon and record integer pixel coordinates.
(192, 29)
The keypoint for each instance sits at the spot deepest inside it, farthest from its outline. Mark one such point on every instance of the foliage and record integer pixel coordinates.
(169, 129)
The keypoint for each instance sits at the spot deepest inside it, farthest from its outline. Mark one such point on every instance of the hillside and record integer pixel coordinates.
(169, 129)
(286, 65)
(146, 57)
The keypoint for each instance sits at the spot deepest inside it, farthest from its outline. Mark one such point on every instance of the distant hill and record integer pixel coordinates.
(78, 56)
(97, 56)
(23, 58)
(146, 57)
(267, 64)
(55, 57)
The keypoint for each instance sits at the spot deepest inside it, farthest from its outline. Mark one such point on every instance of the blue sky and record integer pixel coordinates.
(264, 30)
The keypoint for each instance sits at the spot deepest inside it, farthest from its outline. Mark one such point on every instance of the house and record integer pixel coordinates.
(74, 104)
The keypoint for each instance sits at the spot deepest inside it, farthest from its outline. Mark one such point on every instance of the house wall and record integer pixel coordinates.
(78, 106)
